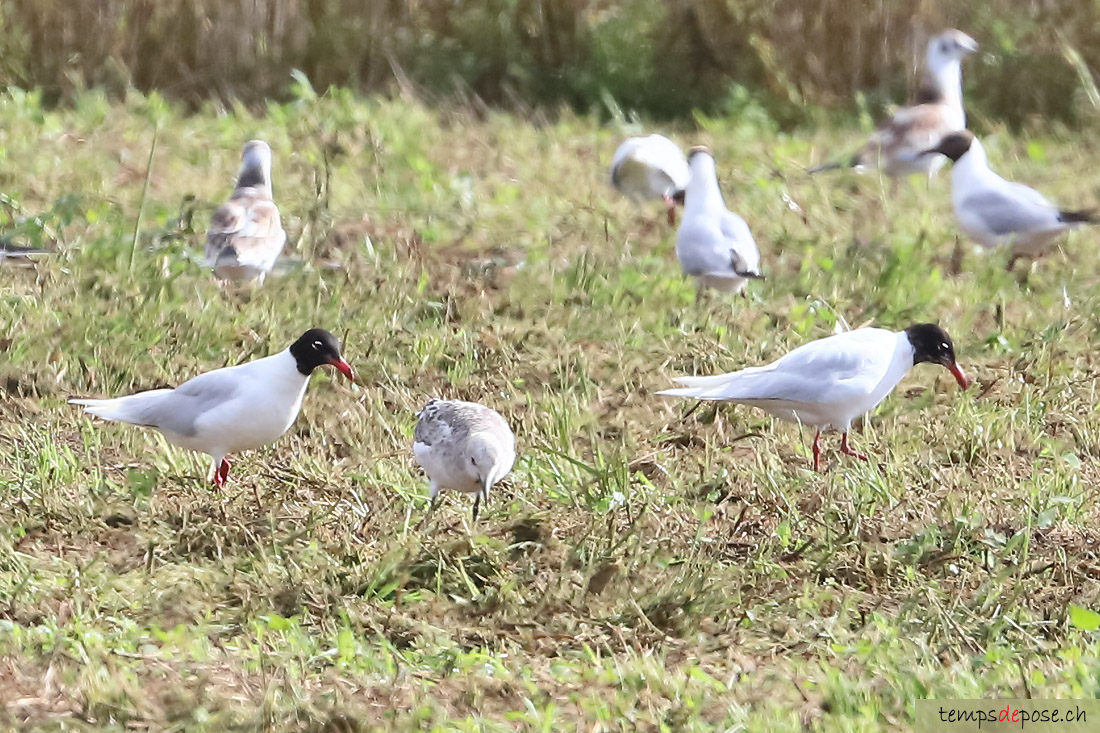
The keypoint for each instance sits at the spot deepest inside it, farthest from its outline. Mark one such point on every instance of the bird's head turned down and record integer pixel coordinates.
(487, 458)
(953, 146)
(951, 45)
(317, 347)
(932, 344)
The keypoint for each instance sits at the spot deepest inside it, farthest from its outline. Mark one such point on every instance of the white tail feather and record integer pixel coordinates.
(695, 393)
(131, 408)
(717, 380)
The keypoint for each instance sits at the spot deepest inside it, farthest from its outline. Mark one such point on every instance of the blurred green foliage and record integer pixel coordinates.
(658, 58)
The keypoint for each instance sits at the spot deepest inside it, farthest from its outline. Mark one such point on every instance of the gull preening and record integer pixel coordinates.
(995, 212)
(246, 236)
(463, 446)
(651, 167)
(896, 146)
(713, 244)
(232, 409)
(830, 382)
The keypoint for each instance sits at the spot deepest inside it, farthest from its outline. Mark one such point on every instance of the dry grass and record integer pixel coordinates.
(639, 570)
(659, 58)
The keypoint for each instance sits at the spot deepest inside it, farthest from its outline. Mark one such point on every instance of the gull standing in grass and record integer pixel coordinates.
(830, 382)
(651, 167)
(463, 446)
(245, 235)
(713, 244)
(232, 409)
(938, 110)
(996, 212)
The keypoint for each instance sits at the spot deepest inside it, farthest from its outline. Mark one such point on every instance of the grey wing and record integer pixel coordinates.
(746, 257)
(182, 408)
(829, 370)
(433, 425)
(703, 249)
(1003, 214)
(429, 431)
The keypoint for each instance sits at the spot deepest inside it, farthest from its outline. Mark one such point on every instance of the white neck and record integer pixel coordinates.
(281, 367)
(974, 164)
(702, 190)
(944, 75)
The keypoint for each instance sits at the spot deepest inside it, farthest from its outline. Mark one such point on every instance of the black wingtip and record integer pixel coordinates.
(853, 162)
(1085, 216)
(824, 167)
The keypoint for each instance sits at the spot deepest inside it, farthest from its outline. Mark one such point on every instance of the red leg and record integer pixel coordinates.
(847, 450)
(671, 211)
(817, 452)
(221, 473)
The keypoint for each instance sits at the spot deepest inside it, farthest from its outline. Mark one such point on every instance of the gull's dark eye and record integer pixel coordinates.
(473, 462)
(945, 347)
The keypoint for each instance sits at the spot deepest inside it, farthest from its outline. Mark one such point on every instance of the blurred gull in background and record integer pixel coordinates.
(996, 212)
(713, 244)
(651, 167)
(245, 235)
(896, 147)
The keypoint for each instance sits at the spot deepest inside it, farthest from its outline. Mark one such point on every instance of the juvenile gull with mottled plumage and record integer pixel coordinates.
(896, 146)
(246, 236)
(463, 446)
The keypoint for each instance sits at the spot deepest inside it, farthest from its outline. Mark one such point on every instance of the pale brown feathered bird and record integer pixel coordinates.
(246, 236)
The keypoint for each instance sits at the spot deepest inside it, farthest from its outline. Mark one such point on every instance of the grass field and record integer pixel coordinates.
(638, 570)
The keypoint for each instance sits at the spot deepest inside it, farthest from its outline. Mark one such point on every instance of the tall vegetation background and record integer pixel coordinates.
(661, 58)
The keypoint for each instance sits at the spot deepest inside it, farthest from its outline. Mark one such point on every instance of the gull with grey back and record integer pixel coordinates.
(830, 382)
(463, 446)
(995, 212)
(714, 245)
(232, 409)
(246, 236)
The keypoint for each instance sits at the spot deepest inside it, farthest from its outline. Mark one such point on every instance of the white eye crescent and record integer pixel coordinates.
(317, 345)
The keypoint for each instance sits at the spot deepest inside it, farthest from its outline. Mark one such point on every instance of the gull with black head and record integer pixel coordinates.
(830, 382)
(232, 409)
(463, 446)
(996, 212)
